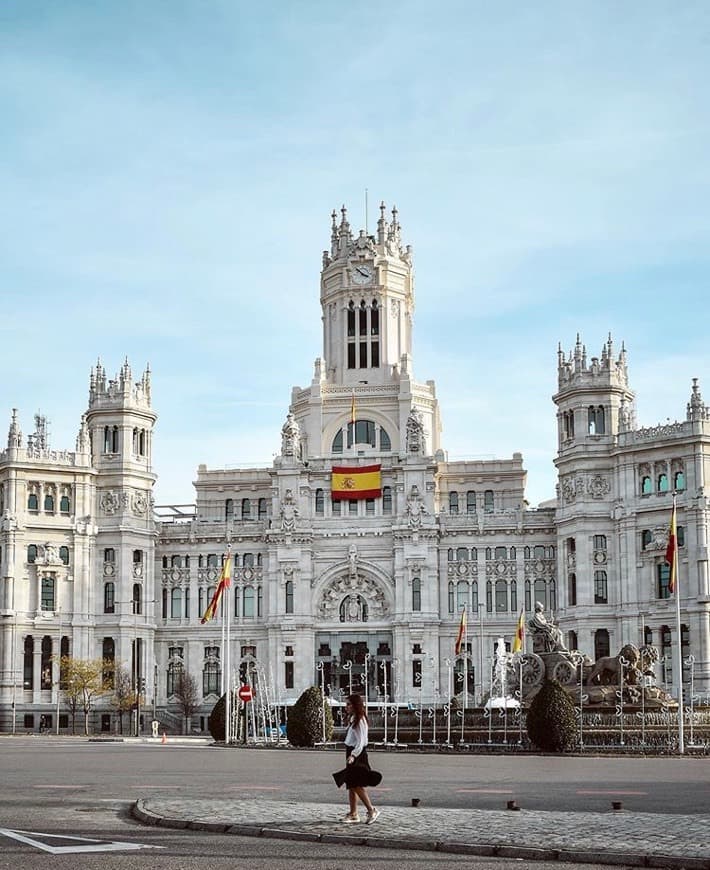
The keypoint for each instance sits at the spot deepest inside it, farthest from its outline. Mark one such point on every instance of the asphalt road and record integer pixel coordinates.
(78, 789)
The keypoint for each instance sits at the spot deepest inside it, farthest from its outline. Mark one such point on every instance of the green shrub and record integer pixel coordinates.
(216, 723)
(305, 722)
(552, 721)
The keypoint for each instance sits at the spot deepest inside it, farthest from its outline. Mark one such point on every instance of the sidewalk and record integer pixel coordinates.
(619, 838)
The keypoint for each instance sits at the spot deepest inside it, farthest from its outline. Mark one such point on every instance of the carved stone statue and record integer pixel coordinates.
(415, 508)
(352, 558)
(289, 512)
(290, 436)
(547, 637)
(415, 432)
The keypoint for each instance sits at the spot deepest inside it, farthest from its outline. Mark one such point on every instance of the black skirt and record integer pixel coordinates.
(359, 774)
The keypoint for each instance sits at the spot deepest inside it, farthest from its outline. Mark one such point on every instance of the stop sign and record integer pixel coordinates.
(246, 693)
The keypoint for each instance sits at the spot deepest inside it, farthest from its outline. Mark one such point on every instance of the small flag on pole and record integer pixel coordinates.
(672, 552)
(225, 581)
(461, 634)
(519, 642)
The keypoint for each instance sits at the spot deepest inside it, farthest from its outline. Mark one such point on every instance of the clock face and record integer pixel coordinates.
(362, 273)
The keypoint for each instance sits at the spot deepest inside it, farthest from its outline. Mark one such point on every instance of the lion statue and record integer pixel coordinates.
(607, 670)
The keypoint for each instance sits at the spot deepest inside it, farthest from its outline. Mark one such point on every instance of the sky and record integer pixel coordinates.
(168, 169)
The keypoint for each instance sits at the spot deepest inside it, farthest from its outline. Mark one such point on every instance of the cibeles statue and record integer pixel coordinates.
(290, 436)
(546, 636)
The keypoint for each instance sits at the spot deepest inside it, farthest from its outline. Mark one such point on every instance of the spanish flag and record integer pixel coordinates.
(462, 632)
(672, 552)
(519, 642)
(225, 581)
(356, 482)
(352, 411)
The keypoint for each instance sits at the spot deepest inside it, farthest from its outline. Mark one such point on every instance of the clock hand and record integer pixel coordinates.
(361, 270)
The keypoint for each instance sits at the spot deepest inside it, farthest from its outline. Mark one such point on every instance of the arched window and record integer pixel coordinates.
(289, 596)
(416, 594)
(474, 596)
(488, 501)
(49, 503)
(470, 502)
(646, 486)
(450, 554)
(501, 596)
(320, 503)
(461, 595)
(501, 553)
(461, 554)
(109, 555)
(337, 446)
(259, 601)
(541, 593)
(64, 555)
(261, 508)
(229, 509)
(601, 643)
(108, 654)
(64, 504)
(453, 502)
(246, 509)
(248, 560)
(138, 557)
(572, 640)
(386, 499)
(32, 553)
(489, 597)
(213, 561)
(385, 442)
(165, 604)
(679, 481)
(32, 502)
(662, 483)
(248, 602)
(572, 590)
(175, 603)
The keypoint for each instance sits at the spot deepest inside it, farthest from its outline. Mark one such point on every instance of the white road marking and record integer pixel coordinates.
(89, 844)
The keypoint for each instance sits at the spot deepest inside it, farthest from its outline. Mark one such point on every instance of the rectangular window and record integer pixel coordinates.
(600, 587)
(351, 355)
(47, 593)
(288, 675)
(386, 499)
(663, 575)
(600, 542)
(370, 507)
(363, 354)
(375, 351)
(335, 508)
(352, 508)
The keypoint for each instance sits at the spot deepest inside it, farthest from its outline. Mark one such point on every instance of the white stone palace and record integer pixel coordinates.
(328, 591)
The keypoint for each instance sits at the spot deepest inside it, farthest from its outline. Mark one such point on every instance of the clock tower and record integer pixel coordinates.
(363, 395)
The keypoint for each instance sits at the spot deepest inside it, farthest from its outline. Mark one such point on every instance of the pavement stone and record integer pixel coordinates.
(616, 838)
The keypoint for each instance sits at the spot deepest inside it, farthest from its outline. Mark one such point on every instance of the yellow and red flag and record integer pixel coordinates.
(225, 581)
(352, 411)
(519, 642)
(462, 633)
(356, 482)
(672, 552)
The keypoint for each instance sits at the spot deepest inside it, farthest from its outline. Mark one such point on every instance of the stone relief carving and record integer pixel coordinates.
(598, 486)
(49, 555)
(348, 588)
(571, 487)
(140, 504)
(109, 502)
(289, 512)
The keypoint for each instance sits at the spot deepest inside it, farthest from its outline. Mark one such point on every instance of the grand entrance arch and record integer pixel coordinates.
(353, 649)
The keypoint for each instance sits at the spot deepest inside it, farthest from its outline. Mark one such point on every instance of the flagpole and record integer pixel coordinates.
(226, 614)
(465, 661)
(679, 640)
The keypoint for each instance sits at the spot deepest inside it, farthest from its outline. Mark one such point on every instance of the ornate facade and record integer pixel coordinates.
(343, 592)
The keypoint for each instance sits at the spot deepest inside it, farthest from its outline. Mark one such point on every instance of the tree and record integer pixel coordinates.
(305, 719)
(123, 699)
(187, 696)
(84, 680)
(552, 721)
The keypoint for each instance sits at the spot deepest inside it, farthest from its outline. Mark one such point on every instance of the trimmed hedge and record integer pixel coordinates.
(552, 720)
(305, 719)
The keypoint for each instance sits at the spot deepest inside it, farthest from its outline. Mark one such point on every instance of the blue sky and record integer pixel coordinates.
(167, 171)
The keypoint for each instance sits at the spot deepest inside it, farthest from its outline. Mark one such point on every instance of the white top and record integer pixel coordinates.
(357, 737)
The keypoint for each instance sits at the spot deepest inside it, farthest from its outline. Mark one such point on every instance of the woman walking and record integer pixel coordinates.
(357, 774)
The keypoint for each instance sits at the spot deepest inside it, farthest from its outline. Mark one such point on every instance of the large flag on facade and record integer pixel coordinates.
(358, 481)
(462, 633)
(225, 581)
(672, 552)
(519, 641)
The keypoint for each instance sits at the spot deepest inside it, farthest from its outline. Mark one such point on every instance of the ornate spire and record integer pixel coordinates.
(14, 435)
(697, 409)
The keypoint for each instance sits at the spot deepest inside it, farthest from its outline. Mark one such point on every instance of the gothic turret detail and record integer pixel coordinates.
(697, 409)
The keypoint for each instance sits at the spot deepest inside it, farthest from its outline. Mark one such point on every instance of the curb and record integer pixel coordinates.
(483, 850)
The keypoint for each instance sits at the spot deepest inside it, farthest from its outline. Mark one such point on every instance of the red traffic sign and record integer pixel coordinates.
(246, 693)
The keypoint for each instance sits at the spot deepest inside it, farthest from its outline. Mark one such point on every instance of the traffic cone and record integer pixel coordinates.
(164, 739)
